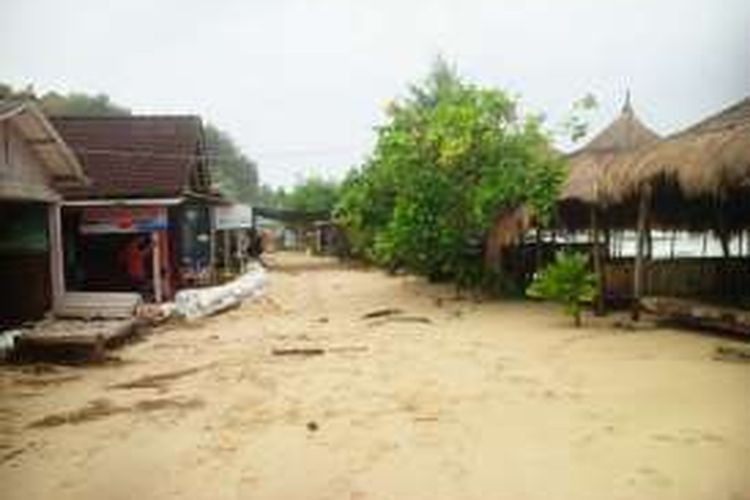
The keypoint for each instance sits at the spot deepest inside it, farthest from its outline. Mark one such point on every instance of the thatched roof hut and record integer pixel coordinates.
(590, 166)
(709, 160)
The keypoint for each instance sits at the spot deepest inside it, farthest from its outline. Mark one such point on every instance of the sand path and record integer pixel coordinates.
(448, 400)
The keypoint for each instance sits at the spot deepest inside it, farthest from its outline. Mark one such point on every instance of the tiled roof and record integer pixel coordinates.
(136, 156)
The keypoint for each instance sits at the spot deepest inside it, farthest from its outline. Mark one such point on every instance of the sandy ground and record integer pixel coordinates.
(499, 400)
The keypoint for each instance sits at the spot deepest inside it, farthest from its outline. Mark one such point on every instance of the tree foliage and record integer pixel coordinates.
(235, 174)
(448, 159)
(314, 194)
(568, 281)
(79, 104)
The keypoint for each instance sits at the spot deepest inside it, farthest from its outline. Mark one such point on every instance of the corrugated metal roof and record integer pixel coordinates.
(137, 156)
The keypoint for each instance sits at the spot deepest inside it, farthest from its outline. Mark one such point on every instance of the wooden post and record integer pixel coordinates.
(156, 265)
(57, 268)
(643, 208)
(597, 258)
(227, 250)
(537, 249)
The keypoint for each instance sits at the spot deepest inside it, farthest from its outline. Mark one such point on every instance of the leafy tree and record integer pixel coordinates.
(568, 281)
(235, 174)
(314, 194)
(575, 126)
(76, 103)
(449, 158)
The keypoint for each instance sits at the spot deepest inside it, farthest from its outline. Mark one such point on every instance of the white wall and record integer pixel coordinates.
(22, 175)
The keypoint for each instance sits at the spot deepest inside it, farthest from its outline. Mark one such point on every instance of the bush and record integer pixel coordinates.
(568, 281)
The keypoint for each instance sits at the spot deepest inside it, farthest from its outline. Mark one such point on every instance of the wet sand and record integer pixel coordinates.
(441, 399)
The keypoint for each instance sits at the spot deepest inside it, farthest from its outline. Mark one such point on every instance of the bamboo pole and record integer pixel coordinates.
(643, 209)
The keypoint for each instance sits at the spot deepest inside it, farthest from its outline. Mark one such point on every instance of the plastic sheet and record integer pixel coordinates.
(197, 303)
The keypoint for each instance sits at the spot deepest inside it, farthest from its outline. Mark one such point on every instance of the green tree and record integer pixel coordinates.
(79, 104)
(235, 174)
(449, 158)
(314, 194)
(568, 281)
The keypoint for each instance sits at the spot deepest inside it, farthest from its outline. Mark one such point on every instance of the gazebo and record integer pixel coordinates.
(581, 204)
(695, 180)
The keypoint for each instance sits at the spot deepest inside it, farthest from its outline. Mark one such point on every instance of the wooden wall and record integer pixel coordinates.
(685, 277)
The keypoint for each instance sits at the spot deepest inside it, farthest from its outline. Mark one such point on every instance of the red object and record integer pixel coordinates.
(133, 257)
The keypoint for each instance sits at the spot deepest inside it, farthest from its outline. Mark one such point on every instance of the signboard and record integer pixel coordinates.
(233, 217)
(103, 220)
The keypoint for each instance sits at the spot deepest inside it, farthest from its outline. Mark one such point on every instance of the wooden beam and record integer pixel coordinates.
(597, 258)
(638, 275)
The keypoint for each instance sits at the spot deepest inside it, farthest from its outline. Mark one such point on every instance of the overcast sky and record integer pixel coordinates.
(300, 84)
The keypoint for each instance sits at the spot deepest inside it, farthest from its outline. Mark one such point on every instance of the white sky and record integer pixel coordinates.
(300, 84)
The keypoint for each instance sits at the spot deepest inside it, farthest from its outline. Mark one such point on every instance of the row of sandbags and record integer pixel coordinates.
(194, 303)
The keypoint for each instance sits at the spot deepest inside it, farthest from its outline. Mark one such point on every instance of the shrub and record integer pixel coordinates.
(568, 281)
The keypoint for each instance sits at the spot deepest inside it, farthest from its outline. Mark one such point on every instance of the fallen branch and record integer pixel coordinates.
(402, 319)
(379, 313)
(298, 351)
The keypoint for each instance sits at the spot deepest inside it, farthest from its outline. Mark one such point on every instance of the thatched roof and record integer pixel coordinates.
(708, 159)
(589, 165)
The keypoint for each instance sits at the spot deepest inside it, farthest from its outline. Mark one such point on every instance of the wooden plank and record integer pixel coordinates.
(89, 305)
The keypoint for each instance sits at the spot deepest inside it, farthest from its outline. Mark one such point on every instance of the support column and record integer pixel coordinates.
(156, 266)
(57, 267)
(597, 258)
(638, 275)
(227, 243)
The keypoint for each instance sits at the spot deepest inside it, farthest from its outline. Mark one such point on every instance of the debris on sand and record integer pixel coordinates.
(94, 410)
(11, 455)
(379, 313)
(312, 426)
(156, 381)
(102, 408)
(402, 319)
(732, 354)
(298, 351)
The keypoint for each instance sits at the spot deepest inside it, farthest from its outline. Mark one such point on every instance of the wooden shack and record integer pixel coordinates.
(35, 165)
(150, 181)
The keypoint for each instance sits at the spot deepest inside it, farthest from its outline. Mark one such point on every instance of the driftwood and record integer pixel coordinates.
(402, 319)
(379, 313)
(298, 351)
